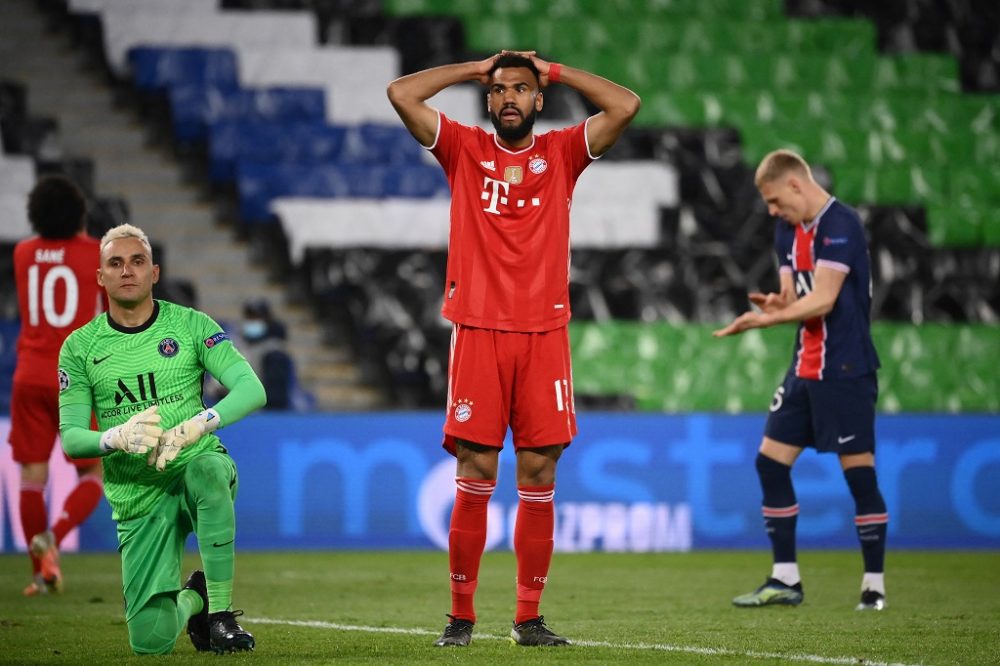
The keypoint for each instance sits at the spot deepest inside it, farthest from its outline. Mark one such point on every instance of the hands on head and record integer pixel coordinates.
(542, 66)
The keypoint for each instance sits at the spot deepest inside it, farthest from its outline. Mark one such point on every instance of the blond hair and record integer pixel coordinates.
(126, 231)
(778, 163)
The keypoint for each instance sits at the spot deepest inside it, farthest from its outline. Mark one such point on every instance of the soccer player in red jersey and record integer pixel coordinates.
(57, 292)
(827, 399)
(507, 294)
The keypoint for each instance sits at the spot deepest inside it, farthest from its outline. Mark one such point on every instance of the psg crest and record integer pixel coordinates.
(169, 347)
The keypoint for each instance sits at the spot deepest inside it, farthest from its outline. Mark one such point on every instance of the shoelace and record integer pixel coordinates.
(538, 624)
(455, 626)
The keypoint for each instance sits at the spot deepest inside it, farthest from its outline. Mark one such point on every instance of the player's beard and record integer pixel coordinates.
(514, 133)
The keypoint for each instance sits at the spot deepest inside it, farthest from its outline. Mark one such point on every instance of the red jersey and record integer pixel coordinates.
(508, 249)
(57, 292)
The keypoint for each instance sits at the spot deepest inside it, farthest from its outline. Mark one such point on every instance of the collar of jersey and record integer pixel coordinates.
(141, 327)
(496, 140)
(819, 215)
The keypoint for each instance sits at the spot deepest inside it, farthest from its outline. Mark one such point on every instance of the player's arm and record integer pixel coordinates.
(618, 105)
(138, 435)
(245, 393)
(409, 94)
(827, 283)
(772, 301)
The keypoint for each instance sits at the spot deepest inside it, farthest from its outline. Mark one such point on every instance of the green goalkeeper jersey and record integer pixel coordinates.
(119, 372)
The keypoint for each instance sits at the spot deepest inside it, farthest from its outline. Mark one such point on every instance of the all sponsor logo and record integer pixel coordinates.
(834, 241)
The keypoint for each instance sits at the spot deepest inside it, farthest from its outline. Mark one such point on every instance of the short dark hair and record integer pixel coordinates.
(513, 60)
(56, 208)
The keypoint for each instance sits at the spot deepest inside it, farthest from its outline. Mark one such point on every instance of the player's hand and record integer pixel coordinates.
(137, 435)
(767, 302)
(483, 68)
(541, 65)
(744, 322)
(187, 433)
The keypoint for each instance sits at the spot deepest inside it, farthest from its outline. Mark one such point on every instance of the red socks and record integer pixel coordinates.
(33, 516)
(466, 543)
(533, 532)
(79, 504)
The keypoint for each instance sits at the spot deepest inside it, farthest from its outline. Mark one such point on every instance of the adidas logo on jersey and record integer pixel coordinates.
(491, 165)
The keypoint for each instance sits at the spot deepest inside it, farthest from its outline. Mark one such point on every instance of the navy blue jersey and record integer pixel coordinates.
(839, 344)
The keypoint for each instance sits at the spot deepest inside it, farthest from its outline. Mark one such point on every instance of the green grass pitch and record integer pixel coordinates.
(388, 607)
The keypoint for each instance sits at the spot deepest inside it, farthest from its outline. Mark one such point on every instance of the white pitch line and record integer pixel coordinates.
(662, 647)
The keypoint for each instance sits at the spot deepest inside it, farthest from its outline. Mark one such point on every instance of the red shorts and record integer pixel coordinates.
(498, 379)
(34, 424)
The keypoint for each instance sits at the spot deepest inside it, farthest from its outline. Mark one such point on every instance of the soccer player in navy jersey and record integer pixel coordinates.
(507, 293)
(827, 399)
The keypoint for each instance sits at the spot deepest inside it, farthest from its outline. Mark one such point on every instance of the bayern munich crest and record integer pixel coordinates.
(463, 410)
(537, 165)
(169, 347)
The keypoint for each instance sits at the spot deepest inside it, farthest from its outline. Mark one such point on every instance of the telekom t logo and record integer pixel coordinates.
(494, 197)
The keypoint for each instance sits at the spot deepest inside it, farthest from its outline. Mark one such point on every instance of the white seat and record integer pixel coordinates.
(162, 26)
(178, 6)
(14, 214)
(337, 223)
(354, 77)
(17, 174)
(615, 205)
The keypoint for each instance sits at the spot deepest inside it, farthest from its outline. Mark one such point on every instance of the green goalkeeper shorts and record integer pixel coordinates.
(152, 546)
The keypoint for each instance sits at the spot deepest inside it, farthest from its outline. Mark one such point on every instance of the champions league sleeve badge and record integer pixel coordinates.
(63, 380)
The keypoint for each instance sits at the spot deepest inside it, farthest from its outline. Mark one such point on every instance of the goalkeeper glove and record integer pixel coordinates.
(137, 435)
(187, 433)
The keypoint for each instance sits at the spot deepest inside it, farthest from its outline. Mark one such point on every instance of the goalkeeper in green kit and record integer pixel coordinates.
(139, 367)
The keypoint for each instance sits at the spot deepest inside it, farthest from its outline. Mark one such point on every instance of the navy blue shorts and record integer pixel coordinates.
(833, 416)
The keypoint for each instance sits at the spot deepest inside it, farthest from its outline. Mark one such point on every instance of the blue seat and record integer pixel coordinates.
(269, 142)
(195, 108)
(416, 180)
(376, 143)
(9, 330)
(155, 69)
(258, 184)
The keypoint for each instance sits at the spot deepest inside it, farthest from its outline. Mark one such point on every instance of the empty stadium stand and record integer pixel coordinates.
(897, 105)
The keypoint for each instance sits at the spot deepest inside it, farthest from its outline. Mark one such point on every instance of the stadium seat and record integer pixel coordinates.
(17, 174)
(354, 77)
(955, 226)
(9, 329)
(195, 108)
(14, 214)
(160, 24)
(271, 142)
(154, 69)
